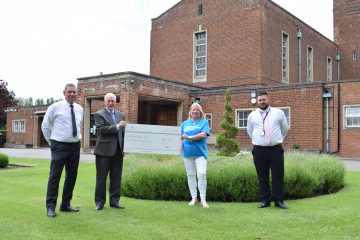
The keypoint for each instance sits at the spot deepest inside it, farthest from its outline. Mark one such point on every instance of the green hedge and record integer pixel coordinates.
(163, 177)
(4, 160)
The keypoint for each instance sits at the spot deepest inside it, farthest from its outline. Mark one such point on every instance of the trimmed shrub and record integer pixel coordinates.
(4, 160)
(230, 179)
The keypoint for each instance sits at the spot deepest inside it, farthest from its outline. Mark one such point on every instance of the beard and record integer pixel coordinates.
(263, 106)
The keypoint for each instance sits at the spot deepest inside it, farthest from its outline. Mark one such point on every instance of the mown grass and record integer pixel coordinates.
(23, 213)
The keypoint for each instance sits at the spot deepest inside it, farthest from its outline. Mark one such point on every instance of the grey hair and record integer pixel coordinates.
(108, 95)
(69, 85)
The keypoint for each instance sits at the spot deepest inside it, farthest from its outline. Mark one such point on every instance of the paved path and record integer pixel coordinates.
(44, 153)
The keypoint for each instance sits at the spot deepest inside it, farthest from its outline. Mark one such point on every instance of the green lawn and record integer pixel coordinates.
(23, 213)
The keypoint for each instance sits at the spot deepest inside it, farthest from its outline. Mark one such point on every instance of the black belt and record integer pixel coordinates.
(69, 143)
(277, 145)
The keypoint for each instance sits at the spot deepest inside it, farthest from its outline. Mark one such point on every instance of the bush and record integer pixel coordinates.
(230, 179)
(4, 160)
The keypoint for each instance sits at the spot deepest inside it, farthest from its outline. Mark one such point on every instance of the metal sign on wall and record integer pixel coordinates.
(142, 138)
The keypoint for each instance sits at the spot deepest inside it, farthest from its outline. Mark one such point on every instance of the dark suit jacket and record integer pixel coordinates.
(108, 134)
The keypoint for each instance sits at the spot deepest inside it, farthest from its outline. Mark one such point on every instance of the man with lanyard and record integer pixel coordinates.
(61, 129)
(267, 128)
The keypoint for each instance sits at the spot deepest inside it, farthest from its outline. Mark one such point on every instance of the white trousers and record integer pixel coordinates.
(196, 166)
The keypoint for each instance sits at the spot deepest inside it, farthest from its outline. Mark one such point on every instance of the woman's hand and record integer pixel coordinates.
(184, 136)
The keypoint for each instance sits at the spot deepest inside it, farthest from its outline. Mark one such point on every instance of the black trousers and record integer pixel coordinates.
(104, 166)
(68, 155)
(268, 159)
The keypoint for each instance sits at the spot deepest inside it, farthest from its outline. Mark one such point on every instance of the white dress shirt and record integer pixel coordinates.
(278, 126)
(57, 124)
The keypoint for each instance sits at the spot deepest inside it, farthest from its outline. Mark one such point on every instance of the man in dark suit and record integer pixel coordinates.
(109, 150)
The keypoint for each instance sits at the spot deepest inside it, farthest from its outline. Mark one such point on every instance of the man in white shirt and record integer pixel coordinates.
(267, 128)
(61, 129)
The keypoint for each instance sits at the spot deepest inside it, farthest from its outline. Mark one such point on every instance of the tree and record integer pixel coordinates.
(7, 99)
(226, 139)
(25, 102)
(39, 101)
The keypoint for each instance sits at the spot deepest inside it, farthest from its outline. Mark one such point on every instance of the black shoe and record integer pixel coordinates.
(280, 204)
(51, 212)
(99, 207)
(117, 205)
(69, 209)
(264, 204)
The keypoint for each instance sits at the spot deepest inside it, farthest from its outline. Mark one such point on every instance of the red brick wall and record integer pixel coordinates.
(347, 36)
(349, 138)
(244, 43)
(129, 87)
(27, 114)
(275, 21)
(233, 35)
(305, 110)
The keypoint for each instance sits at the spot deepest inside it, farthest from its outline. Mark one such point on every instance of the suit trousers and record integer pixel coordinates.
(268, 159)
(104, 166)
(68, 155)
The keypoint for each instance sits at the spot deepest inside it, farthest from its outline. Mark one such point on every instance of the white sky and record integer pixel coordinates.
(45, 44)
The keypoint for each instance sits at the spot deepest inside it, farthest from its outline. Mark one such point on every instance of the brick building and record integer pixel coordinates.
(199, 48)
(24, 126)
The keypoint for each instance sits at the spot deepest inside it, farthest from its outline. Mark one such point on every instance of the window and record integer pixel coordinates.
(15, 127)
(329, 70)
(286, 110)
(209, 118)
(18, 126)
(354, 57)
(352, 116)
(200, 57)
(285, 58)
(200, 9)
(242, 116)
(309, 64)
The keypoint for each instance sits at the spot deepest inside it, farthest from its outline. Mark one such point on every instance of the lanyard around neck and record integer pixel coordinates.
(263, 118)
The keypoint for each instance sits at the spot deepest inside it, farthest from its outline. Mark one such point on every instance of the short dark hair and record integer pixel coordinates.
(262, 93)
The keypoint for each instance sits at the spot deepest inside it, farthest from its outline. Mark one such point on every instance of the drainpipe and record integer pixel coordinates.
(327, 95)
(338, 65)
(299, 35)
(338, 113)
(338, 102)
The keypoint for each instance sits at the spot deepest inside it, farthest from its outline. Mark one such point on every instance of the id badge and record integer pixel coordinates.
(262, 133)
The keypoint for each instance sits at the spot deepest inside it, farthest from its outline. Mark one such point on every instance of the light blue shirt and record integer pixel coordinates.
(195, 148)
(57, 124)
(277, 124)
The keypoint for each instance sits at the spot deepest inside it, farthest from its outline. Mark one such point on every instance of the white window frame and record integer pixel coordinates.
(200, 78)
(243, 119)
(285, 57)
(15, 126)
(354, 57)
(288, 118)
(18, 126)
(310, 63)
(356, 115)
(208, 117)
(329, 69)
(22, 126)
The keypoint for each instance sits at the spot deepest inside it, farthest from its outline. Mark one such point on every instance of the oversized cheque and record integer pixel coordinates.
(141, 138)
